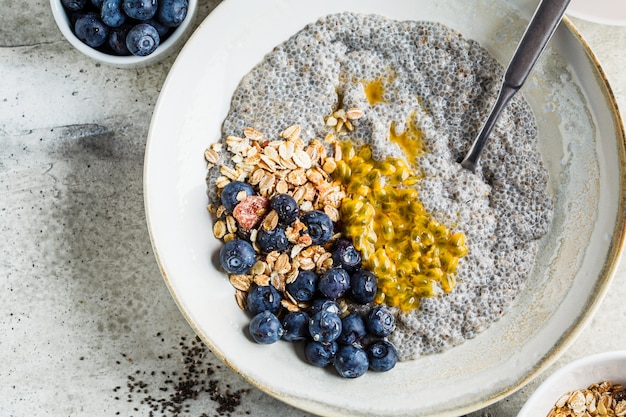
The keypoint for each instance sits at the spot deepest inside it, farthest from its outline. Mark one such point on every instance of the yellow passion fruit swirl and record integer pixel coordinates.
(411, 253)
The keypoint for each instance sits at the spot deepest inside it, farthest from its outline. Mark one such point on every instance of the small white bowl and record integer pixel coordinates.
(169, 45)
(609, 366)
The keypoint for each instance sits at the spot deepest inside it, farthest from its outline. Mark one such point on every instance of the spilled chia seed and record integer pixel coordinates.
(166, 393)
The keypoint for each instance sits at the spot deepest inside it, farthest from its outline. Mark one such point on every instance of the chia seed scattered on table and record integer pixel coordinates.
(172, 393)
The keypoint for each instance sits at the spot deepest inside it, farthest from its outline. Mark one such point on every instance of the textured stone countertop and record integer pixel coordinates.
(87, 326)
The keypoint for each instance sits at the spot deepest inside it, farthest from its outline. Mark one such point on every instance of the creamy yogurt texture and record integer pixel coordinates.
(427, 79)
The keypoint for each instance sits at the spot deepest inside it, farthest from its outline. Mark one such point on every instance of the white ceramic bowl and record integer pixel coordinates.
(173, 42)
(582, 143)
(577, 375)
(607, 12)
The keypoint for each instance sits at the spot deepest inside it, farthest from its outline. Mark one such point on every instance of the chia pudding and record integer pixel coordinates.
(424, 78)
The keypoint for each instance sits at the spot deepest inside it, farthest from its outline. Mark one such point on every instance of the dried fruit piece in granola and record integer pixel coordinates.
(250, 211)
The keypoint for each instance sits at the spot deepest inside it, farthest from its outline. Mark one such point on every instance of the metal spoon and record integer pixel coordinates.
(539, 31)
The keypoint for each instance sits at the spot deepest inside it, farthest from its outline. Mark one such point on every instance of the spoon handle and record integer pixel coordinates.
(538, 33)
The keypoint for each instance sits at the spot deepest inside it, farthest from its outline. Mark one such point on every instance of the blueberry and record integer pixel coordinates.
(351, 361)
(380, 322)
(265, 328)
(286, 207)
(346, 255)
(90, 29)
(382, 356)
(74, 5)
(140, 9)
(74, 16)
(363, 286)
(237, 256)
(334, 283)
(302, 289)
(352, 329)
(161, 29)
(272, 240)
(320, 354)
(97, 3)
(142, 40)
(172, 12)
(296, 326)
(323, 304)
(319, 226)
(111, 13)
(117, 39)
(325, 326)
(230, 192)
(263, 298)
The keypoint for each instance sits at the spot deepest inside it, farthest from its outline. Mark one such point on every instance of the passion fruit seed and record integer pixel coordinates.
(409, 251)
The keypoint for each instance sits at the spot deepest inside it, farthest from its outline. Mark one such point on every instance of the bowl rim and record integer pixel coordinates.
(163, 50)
(605, 12)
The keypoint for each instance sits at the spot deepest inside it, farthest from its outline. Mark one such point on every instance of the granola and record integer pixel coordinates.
(602, 399)
(283, 166)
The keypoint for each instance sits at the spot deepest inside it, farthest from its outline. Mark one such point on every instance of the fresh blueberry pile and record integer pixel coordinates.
(125, 27)
(352, 342)
(340, 326)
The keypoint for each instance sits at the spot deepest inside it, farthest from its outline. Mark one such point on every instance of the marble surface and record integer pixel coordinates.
(87, 326)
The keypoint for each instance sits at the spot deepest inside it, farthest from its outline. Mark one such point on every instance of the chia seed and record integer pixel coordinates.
(194, 382)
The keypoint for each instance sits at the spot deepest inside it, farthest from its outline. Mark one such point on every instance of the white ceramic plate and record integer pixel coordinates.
(608, 12)
(582, 143)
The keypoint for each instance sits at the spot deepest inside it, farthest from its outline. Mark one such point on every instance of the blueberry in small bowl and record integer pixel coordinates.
(142, 40)
(112, 14)
(140, 9)
(172, 12)
(94, 28)
(90, 29)
(117, 39)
